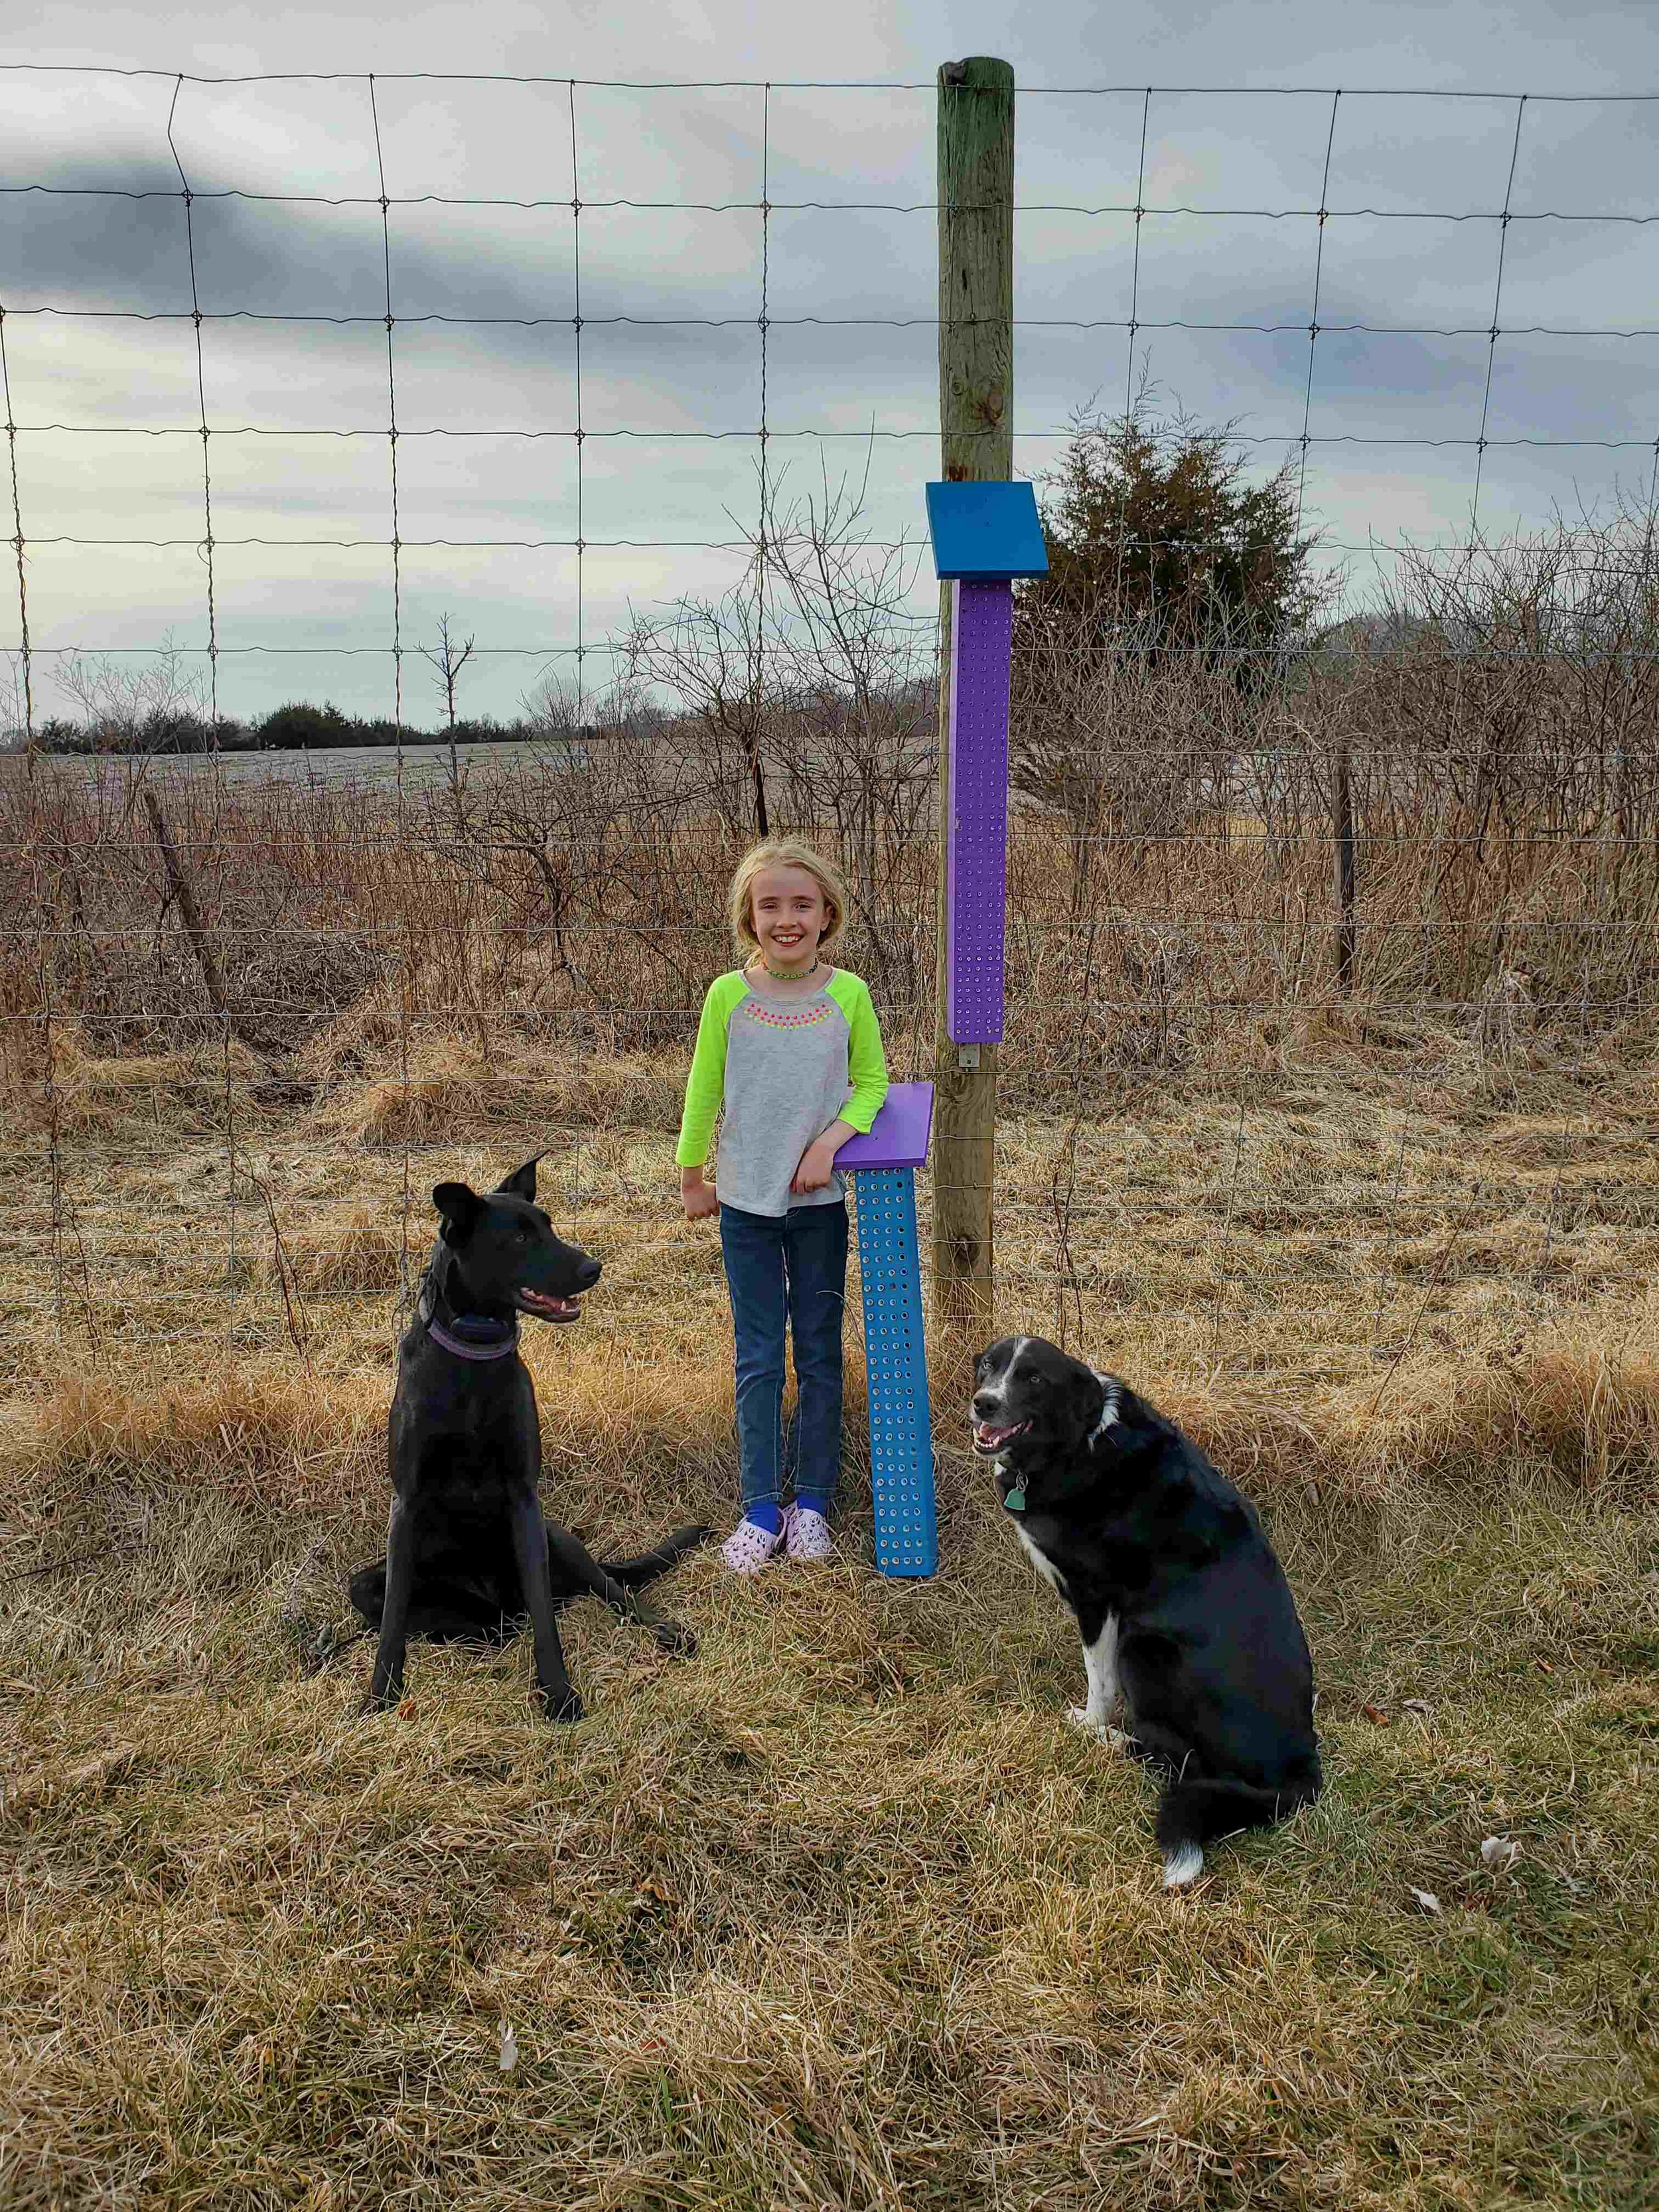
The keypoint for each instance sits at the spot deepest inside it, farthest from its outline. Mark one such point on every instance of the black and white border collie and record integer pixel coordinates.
(1183, 1607)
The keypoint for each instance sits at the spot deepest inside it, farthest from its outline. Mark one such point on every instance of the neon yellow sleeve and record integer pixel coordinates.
(705, 1087)
(867, 1063)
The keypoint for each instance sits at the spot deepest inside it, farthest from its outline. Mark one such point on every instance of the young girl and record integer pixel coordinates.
(790, 1047)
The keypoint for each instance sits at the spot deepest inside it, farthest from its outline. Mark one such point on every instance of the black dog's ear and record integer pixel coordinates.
(1089, 1397)
(460, 1206)
(522, 1184)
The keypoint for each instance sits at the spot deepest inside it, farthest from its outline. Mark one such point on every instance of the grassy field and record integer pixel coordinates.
(838, 1913)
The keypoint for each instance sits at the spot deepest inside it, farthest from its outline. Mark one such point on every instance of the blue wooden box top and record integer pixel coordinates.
(982, 532)
(899, 1137)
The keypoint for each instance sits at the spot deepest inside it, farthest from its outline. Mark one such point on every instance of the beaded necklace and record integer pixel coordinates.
(788, 975)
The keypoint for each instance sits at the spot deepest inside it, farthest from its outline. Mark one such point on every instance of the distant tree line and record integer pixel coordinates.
(161, 705)
(297, 727)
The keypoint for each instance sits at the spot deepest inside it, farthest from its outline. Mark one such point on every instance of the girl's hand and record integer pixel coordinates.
(818, 1164)
(696, 1197)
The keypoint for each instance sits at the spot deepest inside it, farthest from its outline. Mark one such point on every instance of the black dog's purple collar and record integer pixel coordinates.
(439, 1334)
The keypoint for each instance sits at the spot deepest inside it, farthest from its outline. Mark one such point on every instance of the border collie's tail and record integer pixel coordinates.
(1191, 1814)
(635, 1574)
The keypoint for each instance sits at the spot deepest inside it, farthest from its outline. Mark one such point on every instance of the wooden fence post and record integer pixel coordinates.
(201, 943)
(179, 884)
(976, 399)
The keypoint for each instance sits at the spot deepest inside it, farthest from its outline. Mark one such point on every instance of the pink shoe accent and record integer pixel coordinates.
(749, 1548)
(806, 1533)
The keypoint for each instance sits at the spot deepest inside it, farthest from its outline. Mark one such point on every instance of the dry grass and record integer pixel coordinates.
(839, 1913)
(351, 934)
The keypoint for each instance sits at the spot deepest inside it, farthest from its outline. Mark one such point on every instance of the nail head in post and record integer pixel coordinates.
(985, 534)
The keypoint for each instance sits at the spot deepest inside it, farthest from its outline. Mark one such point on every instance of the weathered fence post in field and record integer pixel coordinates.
(1342, 845)
(977, 394)
(201, 943)
(184, 898)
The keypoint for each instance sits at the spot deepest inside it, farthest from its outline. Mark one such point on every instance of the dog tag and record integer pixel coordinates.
(1015, 1501)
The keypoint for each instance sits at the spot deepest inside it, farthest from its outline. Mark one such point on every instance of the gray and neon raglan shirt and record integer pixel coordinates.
(784, 1069)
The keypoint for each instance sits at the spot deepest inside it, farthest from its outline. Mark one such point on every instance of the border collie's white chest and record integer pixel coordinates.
(1040, 1559)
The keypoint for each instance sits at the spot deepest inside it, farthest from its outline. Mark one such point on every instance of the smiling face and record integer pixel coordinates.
(504, 1255)
(790, 916)
(1032, 1403)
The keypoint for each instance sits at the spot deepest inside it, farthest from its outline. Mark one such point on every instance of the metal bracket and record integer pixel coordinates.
(967, 1055)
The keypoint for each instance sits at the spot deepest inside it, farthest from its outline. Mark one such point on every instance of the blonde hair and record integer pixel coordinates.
(784, 852)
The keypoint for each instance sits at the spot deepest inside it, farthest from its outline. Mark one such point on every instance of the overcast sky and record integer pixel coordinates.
(290, 274)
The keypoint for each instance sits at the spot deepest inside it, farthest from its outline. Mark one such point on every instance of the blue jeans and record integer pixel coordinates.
(793, 1267)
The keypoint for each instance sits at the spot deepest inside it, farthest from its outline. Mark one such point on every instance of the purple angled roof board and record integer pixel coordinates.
(898, 1137)
(982, 633)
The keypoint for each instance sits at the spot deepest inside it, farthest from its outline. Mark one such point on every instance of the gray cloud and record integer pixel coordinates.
(1377, 406)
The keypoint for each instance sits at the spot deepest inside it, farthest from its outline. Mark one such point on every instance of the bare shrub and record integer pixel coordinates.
(1169, 881)
(132, 706)
(1130, 744)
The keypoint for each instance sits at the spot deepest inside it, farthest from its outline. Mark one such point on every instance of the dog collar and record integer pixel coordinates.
(499, 1348)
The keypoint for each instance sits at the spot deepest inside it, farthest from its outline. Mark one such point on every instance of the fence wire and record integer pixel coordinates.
(457, 946)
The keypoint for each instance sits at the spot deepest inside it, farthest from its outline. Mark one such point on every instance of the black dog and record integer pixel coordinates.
(468, 1553)
(1179, 1600)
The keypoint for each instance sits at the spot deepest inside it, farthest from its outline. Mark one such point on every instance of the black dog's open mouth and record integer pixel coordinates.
(990, 1440)
(547, 1308)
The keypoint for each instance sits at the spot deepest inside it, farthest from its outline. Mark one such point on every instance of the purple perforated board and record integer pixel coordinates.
(982, 640)
(898, 1136)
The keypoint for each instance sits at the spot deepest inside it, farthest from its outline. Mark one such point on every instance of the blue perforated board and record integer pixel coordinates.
(977, 857)
(895, 1362)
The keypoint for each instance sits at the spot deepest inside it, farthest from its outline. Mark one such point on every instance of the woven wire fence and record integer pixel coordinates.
(1232, 877)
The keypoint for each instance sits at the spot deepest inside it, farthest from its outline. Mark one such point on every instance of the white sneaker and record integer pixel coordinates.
(749, 1548)
(806, 1533)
